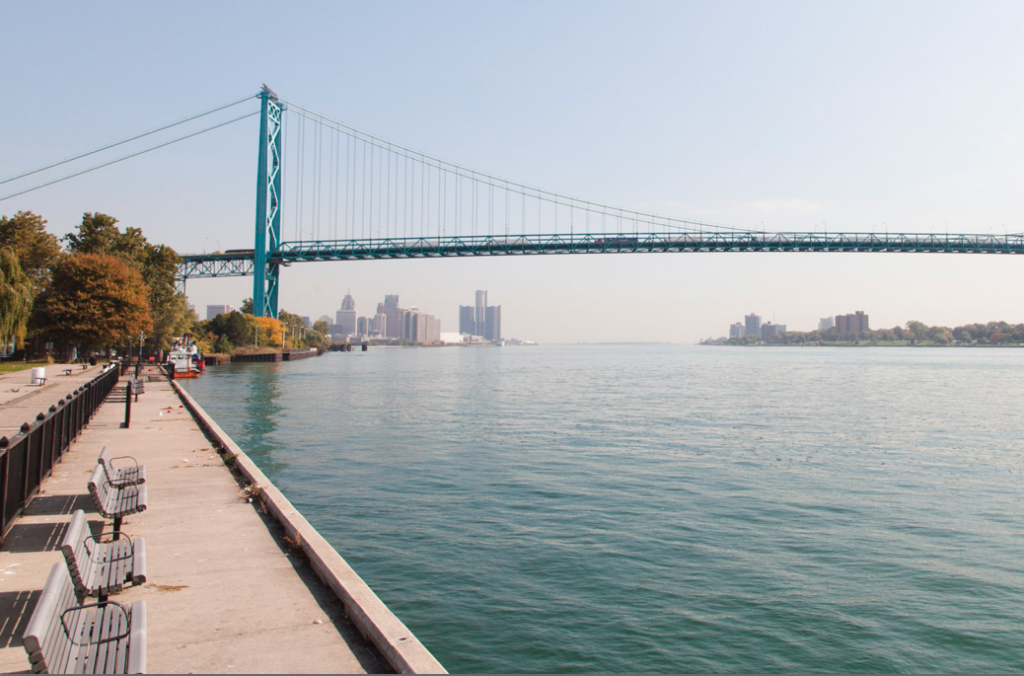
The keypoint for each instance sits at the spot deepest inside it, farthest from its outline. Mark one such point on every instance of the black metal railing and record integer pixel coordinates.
(29, 457)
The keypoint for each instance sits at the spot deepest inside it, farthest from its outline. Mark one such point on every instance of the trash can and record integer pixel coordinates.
(92, 361)
(38, 375)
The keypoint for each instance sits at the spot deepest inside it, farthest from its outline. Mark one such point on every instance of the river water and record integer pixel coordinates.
(682, 509)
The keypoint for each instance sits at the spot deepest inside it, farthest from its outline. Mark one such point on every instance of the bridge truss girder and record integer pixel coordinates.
(244, 263)
(675, 242)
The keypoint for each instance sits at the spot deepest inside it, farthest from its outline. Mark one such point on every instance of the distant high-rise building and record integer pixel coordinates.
(492, 323)
(752, 325)
(467, 320)
(307, 322)
(379, 325)
(345, 318)
(481, 309)
(854, 324)
(394, 317)
(826, 323)
(737, 330)
(363, 326)
(214, 310)
(768, 330)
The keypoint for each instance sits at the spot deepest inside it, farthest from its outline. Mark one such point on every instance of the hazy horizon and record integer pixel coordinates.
(792, 116)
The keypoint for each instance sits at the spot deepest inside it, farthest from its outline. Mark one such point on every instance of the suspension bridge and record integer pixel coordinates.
(360, 197)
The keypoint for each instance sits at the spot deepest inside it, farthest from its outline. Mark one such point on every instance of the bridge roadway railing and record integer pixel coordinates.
(240, 263)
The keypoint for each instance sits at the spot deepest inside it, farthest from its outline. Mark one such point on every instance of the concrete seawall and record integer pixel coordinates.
(375, 621)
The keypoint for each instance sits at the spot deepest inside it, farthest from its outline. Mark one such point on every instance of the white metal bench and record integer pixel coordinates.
(129, 475)
(99, 638)
(101, 568)
(116, 502)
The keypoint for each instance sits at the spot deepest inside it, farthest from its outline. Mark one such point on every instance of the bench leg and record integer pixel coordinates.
(117, 527)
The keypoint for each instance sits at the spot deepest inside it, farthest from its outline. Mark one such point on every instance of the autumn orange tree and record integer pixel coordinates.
(92, 301)
(99, 234)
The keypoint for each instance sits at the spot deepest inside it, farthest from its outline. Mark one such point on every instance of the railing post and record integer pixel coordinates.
(128, 405)
(25, 429)
(54, 433)
(5, 444)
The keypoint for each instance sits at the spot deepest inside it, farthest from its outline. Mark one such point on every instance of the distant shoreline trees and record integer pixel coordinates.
(913, 334)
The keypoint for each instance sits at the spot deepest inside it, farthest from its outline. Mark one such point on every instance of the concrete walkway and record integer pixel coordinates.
(20, 401)
(224, 595)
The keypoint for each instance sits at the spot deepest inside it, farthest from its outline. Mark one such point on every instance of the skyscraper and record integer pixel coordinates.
(345, 318)
(393, 313)
(481, 310)
(467, 320)
(492, 325)
(752, 325)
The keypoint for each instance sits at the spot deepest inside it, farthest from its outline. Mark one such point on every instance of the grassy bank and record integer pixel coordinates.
(12, 366)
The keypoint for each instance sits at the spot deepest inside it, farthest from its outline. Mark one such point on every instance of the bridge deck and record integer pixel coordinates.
(241, 263)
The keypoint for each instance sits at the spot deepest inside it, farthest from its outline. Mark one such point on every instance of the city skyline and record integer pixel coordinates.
(824, 152)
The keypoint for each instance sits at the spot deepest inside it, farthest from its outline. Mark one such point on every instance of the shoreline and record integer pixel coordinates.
(396, 643)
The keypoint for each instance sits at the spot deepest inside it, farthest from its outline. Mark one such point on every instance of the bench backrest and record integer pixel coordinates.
(99, 487)
(104, 461)
(46, 642)
(76, 552)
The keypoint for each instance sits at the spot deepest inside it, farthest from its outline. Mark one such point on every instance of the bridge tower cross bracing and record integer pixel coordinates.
(268, 206)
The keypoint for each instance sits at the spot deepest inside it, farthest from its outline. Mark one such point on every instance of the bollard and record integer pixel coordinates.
(128, 406)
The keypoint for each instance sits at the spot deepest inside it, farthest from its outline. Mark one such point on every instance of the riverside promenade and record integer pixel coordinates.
(21, 401)
(227, 592)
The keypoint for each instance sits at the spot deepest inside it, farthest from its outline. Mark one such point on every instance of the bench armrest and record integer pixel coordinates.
(127, 620)
(97, 540)
(137, 642)
(123, 457)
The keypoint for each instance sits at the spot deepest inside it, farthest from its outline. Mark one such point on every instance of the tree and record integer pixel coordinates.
(93, 301)
(271, 331)
(98, 234)
(16, 295)
(247, 306)
(233, 326)
(223, 346)
(320, 326)
(36, 249)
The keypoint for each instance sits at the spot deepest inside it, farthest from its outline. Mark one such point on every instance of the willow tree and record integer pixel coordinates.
(16, 294)
(37, 250)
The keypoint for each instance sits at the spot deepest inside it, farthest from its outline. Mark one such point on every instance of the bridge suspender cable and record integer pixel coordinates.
(127, 140)
(128, 157)
(431, 164)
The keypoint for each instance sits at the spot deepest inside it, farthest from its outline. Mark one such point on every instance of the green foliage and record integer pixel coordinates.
(320, 326)
(247, 306)
(37, 250)
(915, 333)
(93, 301)
(233, 330)
(98, 234)
(234, 327)
(16, 296)
(223, 345)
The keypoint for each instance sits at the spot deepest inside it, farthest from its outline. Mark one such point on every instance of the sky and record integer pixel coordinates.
(840, 116)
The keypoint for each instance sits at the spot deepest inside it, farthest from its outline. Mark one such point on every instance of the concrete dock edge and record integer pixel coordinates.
(402, 650)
